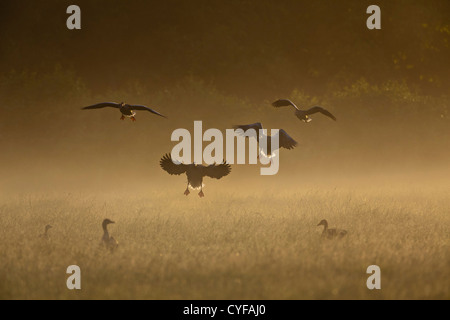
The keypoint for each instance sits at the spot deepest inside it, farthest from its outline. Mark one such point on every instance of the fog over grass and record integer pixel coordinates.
(380, 171)
(228, 245)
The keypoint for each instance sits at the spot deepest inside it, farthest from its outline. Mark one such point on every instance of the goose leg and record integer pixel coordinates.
(133, 119)
(201, 194)
(186, 192)
(122, 117)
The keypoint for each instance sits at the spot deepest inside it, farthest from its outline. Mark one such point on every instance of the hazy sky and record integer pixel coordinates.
(221, 62)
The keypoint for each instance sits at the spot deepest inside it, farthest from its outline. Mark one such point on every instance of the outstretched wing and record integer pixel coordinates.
(102, 105)
(139, 107)
(321, 110)
(256, 126)
(217, 171)
(284, 103)
(168, 165)
(285, 140)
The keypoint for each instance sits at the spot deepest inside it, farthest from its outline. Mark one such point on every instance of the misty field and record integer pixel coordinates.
(228, 246)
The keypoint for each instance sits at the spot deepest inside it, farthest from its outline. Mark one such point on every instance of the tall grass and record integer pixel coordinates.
(228, 246)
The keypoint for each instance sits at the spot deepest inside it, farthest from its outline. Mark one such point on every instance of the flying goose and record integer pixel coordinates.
(108, 241)
(302, 114)
(45, 234)
(284, 140)
(331, 233)
(194, 172)
(127, 110)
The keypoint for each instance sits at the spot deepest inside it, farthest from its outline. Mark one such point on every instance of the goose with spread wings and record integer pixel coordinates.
(194, 172)
(127, 110)
(284, 140)
(303, 114)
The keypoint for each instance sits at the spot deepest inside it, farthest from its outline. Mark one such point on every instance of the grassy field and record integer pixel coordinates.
(228, 246)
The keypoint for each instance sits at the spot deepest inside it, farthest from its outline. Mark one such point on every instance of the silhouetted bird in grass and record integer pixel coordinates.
(332, 233)
(194, 172)
(108, 241)
(284, 140)
(127, 110)
(45, 234)
(302, 114)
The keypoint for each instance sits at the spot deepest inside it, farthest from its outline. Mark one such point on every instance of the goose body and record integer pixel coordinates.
(331, 233)
(195, 173)
(303, 115)
(127, 110)
(284, 140)
(108, 241)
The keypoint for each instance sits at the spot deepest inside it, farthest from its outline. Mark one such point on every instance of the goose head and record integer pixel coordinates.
(323, 223)
(106, 222)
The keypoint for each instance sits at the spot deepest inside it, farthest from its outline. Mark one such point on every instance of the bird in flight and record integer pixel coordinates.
(284, 140)
(302, 114)
(194, 172)
(127, 110)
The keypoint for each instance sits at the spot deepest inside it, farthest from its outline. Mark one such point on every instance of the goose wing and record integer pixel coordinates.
(284, 103)
(113, 243)
(255, 126)
(140, 107)
(217, 171)
(102, 105)
(286, 140)
(168, 165)
(321, 110)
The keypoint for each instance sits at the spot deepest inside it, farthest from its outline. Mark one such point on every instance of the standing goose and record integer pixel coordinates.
(284, 140)
(45, 234)
(302, 114)
(108, 241)
(127, 110)
(331, 233)
(194, 172)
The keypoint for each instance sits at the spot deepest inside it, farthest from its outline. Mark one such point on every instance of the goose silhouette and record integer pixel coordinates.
(127, 110)
(45, 234)
(332, 233)
(284, 140)
(194, 172)
(108, 241)
(303, 114)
